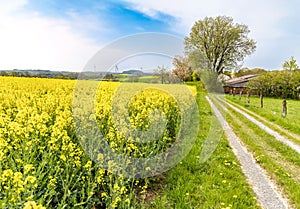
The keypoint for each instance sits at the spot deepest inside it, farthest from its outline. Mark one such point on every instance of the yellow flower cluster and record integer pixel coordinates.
(36, 131)
(140, 111)
(32, 205)
(41, 158)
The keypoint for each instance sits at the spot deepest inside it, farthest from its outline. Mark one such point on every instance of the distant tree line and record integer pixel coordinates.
(283, 83)
(40, 74)
(59, 74)
(246, 71)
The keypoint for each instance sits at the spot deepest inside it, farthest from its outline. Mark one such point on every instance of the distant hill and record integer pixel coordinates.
(136, 72)
(133, 72)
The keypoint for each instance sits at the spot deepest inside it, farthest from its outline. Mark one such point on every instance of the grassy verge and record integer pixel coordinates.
(217, 183)
(272, 111)
(281, 162)
(283, 131)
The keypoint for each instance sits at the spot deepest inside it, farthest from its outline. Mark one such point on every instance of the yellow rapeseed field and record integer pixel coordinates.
(43, 162)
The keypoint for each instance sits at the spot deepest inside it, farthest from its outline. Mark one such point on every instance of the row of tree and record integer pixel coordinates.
(40, 74)
(59, 74)
(280, 84)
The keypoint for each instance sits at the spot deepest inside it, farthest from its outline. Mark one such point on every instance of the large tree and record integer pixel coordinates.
(221, 42)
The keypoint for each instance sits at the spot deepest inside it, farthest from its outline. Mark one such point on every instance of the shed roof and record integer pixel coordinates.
(240, 81)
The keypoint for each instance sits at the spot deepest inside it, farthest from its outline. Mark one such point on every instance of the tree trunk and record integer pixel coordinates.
(284, 108)
(248, 97)
(261, 100)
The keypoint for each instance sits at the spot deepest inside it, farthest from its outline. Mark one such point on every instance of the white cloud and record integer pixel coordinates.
(262, 17)
(11, 6)
(30, 41)
(261, 14)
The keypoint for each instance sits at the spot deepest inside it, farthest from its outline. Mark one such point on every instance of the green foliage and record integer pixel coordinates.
(3, 73)
(260, 84)
(290, 64)
(221, 43)
(247, 71)
(284, 84)
(227, 73)
(197, 59)
(196, 75)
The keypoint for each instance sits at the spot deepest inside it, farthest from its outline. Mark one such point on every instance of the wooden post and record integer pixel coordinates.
(248, 97)
(261, 100)
(284, 108)
(241, 92)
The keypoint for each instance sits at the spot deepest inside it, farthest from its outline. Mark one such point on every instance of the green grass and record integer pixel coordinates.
(282, 131)
(149, 79)
(281, 162)
(142, 79)
(272, 111)
(122, 77)
(216, 183)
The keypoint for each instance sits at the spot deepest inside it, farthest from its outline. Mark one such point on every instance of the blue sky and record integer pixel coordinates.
(65, 34)
(117, 18)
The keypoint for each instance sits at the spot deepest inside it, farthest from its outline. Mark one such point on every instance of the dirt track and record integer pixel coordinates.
(266, 192)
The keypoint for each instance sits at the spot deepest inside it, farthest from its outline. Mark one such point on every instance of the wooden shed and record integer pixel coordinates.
(237, 85)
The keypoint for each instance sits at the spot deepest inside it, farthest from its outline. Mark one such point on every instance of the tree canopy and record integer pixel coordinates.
(220, 42)
(247, 71)
(283, 84)
(290, 64)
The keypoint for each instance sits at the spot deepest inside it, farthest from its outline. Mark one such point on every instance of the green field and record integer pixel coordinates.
(134, 78)
(272, 111)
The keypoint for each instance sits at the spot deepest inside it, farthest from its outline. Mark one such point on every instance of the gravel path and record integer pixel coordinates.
(265, 190)
(267, 129)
